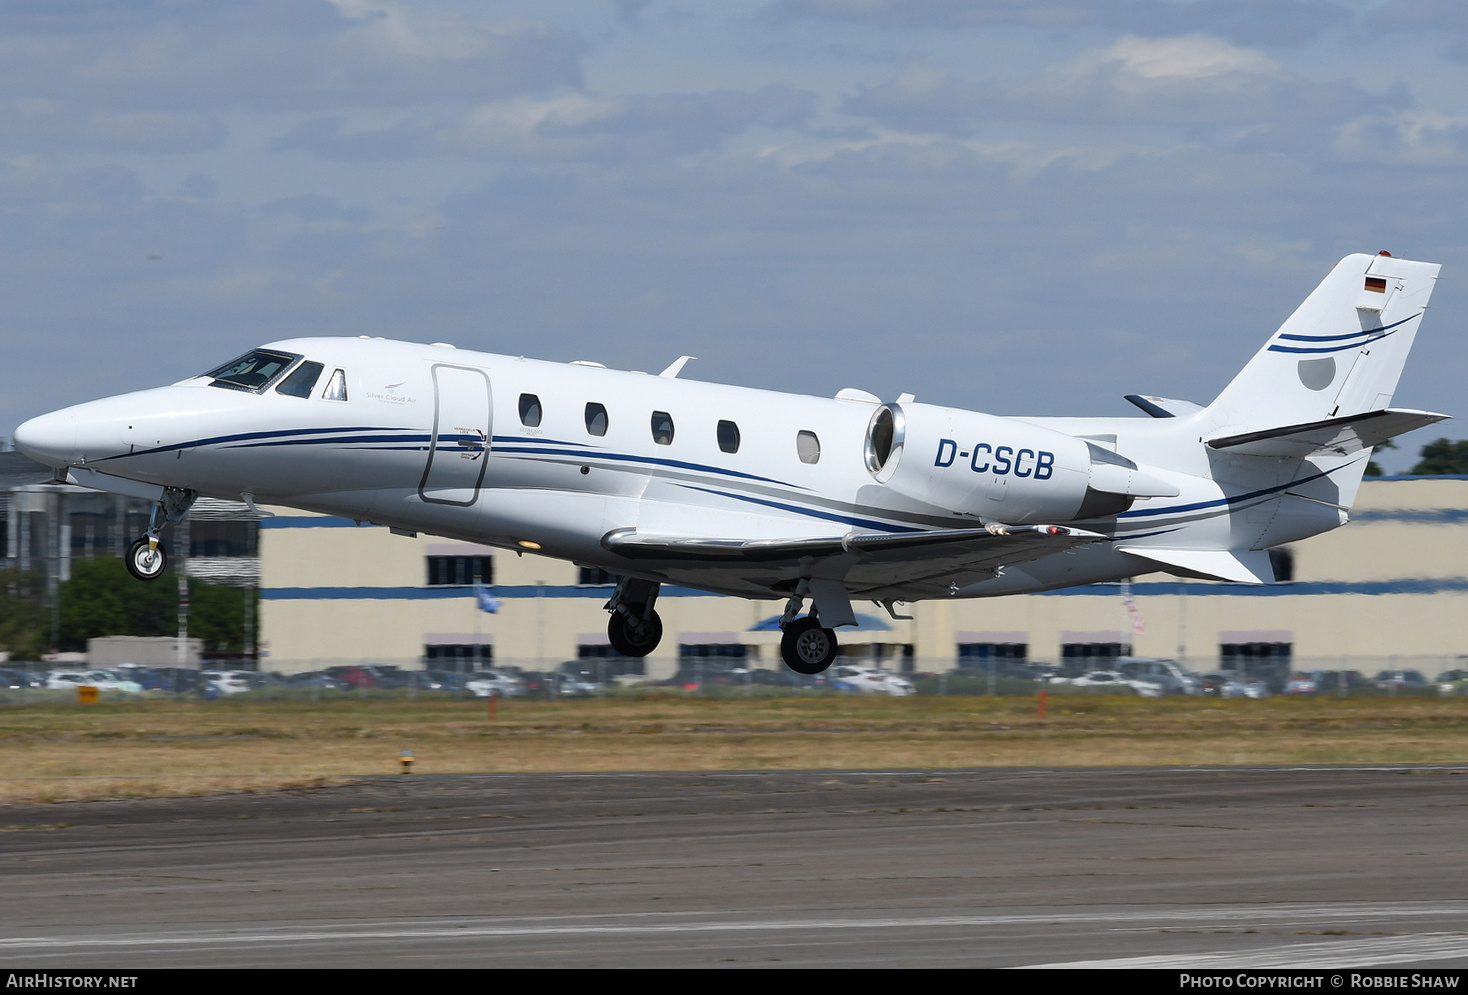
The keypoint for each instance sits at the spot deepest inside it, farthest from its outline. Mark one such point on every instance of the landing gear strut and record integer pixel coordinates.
(146, 558)
(635, 629)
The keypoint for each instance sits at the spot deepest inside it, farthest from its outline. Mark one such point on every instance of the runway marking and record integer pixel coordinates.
(1335, 953)
(1393, 950)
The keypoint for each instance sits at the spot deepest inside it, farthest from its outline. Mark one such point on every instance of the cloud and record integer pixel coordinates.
(266, 54)
(1192, 81)
(570, 126)
(1439, 18)
(1415, 137)
(1249, 22)
(316, 209)
(47, 125)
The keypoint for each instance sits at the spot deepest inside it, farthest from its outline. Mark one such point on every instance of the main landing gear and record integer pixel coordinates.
(146, 558)
(807, 646)
(634, 628)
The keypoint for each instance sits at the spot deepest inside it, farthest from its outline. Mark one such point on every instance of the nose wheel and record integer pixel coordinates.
(808, 647)
(146, 560)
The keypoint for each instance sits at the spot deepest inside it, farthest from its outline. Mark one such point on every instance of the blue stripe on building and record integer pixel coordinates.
(522, 591)
(313, 522)
(1443, 585)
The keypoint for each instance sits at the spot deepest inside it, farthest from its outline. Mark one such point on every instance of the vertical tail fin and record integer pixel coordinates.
(1341, 352)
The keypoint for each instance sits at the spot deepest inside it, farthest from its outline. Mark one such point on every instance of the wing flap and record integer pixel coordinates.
(892, 556)
(1333, 436)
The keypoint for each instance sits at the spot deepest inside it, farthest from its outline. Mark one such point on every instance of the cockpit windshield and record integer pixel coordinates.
(253, 371)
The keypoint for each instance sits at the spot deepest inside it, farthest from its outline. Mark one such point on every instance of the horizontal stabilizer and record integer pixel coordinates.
(1249, 566)
(1163, 407)
(1333, 436)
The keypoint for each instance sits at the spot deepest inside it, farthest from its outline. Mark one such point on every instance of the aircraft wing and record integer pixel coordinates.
(1336, 436)
(873, 560)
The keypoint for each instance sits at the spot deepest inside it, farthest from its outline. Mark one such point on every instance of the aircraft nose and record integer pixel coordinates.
(49, 439)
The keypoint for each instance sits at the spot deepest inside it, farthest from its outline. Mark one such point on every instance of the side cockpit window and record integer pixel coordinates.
(336, 387)
(301, 381)
(253, 371)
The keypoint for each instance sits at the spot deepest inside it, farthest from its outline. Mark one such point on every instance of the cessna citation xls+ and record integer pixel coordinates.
(760, 494)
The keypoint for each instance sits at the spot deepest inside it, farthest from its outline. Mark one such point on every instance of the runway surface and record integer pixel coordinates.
(1194, 868)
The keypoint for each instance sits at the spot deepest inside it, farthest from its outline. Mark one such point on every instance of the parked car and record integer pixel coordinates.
(1452, 682)
(1221, 685)
(315, 679)
(1114, 681)
(227, 681)
(1401, 680)
(483, 683)
(1303, 684)
(104, 680)
(1167, 673)
(17, 679)
(869, 680)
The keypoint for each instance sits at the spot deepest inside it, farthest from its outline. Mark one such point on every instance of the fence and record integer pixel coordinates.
(328, 680)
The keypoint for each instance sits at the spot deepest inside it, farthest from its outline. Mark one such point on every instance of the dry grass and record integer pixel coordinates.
(153, 748)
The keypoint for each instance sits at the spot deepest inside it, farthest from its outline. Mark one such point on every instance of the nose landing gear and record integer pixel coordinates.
(146, 558)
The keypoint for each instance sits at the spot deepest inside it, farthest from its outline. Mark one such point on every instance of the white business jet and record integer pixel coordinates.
(760, 494)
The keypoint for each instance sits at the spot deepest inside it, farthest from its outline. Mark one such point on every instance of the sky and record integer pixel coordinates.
(1026, 207)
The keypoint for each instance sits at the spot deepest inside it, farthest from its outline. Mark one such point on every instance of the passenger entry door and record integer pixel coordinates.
(458, 448)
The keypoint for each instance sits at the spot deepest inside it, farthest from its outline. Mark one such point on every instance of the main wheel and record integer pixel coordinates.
(144, 563)
(807, 647)
(636, 636)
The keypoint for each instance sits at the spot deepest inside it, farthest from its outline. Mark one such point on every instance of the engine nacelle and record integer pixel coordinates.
(999, 469)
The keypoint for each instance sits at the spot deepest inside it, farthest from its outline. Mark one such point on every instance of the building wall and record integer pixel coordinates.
(1392, 582)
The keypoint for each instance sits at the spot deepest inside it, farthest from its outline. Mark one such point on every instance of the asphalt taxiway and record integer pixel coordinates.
(1218, 867)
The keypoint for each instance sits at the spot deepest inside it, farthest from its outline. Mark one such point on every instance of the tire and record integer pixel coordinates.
(637, 636)
(807, 647)
(146, 564)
